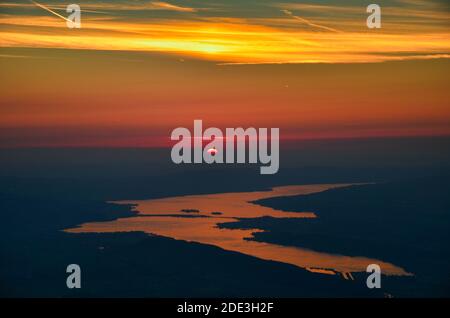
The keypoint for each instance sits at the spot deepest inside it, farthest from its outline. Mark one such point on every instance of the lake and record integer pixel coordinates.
(194, 218)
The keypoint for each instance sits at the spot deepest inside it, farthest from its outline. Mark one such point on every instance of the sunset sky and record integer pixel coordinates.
(138, 69)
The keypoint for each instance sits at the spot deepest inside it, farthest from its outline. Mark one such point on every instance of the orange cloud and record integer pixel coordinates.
(228, 40)
(168, 6)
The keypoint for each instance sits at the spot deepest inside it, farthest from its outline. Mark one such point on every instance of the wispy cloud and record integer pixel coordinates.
(167, 6)
(297, 36)
(410, 9)
(94, 7)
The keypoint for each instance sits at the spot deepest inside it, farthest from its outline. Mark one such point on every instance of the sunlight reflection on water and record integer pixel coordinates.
(194, 218)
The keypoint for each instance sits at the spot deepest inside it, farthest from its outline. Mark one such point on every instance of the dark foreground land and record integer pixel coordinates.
(405, 222)
(34, 254)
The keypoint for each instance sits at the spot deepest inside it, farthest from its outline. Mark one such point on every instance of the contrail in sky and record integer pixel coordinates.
(50, 10)
(289, 13)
